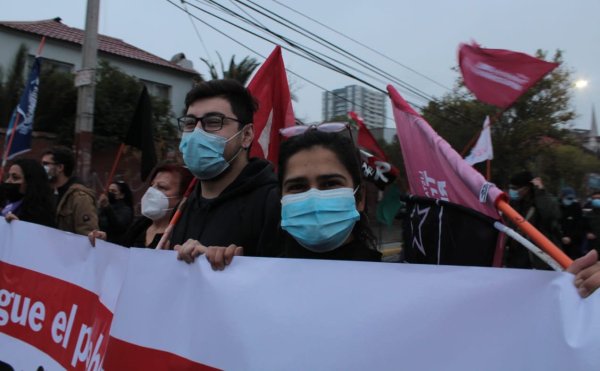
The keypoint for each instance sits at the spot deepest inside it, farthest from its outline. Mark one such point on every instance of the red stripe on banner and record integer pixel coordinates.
(122, 355)
(61, 319)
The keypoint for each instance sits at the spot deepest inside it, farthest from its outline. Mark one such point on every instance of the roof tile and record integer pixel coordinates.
(55, 29)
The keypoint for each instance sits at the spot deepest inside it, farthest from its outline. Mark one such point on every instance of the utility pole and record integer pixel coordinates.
(85, 81)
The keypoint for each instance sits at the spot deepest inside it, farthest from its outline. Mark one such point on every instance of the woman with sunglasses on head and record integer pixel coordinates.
(322, 215)
(167, 185)
(27, 194)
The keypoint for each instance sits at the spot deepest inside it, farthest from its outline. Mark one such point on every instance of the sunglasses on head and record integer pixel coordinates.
(326, 127)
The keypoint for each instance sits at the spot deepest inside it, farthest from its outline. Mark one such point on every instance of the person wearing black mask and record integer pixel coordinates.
(27, 194)
(115, 213)
(571, 222)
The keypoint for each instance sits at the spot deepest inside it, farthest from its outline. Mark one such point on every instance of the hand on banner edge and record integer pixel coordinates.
(96, 234)
(189, 250)
(587, 273)
(10, 217)
(220, 256)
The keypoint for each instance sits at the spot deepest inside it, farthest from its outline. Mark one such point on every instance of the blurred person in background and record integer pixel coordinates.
(571, 222)
(168, 183)
(115, 212)
(75, 203)
(27, 194)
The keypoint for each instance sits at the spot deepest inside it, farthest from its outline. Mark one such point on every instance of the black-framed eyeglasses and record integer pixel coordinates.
(46, 163)
(327, 127)
(210, 122)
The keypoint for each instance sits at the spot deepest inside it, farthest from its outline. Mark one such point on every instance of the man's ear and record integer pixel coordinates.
(247, 135)
(60, 168)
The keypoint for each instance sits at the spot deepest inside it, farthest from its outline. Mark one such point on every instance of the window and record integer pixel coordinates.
(48, 65)
(158, 90)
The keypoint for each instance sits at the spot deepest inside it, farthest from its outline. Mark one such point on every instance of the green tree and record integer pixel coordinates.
(237, 71)
(13, 87)
(523, 133)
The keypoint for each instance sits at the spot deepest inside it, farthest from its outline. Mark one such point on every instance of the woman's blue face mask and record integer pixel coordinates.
(320, 221)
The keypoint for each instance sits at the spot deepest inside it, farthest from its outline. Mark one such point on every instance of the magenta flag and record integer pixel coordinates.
(499, 77)
(434, 169)
(270, 88)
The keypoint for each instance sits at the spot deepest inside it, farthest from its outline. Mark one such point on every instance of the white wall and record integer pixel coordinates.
(179, 81)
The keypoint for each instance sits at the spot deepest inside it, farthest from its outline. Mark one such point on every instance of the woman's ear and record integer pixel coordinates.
(360, 198)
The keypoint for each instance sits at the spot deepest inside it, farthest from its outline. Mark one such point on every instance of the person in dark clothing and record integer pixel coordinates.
(28, 194)
(322, 214)
(571, 222)
(593, 222)
(529, 198)
(235, 204)
(115, 213)
(168, 183)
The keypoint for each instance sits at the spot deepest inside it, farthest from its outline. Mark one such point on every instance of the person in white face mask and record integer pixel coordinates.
(167, 185)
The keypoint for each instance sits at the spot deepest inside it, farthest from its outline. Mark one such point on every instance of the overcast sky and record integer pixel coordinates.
(422, 35)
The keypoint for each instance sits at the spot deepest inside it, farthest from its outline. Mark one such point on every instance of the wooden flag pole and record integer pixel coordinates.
(540, 240)
(167, 234)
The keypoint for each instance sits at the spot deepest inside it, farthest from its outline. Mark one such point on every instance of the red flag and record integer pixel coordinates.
(499, 77)
(270, 87)
(375, 165)
(433, 167)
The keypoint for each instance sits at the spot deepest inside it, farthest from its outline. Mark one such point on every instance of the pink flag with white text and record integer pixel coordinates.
(497, 76)
(434, 169)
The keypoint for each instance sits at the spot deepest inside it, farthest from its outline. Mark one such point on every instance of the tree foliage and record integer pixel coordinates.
(116, 98)
(11, 89)
(528, 136)
(237, 71)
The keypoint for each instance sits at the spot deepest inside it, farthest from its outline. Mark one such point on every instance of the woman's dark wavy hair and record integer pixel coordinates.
(126, 191)
(39, 197)
(347, 153)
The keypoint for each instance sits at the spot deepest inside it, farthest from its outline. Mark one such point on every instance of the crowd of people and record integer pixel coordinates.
(312, 207)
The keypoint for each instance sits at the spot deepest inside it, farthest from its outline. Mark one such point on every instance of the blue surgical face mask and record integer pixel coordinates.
(567, 201)
(320, 220)
(203, 153)
(514, 194)
(596, 203)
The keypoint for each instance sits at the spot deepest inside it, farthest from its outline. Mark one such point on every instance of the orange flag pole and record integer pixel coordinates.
(167, 234)
(542, 241)
(114, 167)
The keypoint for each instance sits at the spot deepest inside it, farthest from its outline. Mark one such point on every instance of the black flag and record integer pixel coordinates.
(440, 232)
(141, 134)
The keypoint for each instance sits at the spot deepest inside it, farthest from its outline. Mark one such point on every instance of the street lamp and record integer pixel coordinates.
(580, 84)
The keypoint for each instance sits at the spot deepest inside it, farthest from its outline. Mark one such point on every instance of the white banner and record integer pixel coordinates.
(282, 314)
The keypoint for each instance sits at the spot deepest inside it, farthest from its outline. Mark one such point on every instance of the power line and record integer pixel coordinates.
(336, 49)
(288, 70)
(365, 46)
(197, 32)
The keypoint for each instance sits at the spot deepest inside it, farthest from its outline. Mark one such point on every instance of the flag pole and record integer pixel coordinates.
(167, 234)
(488, 173)
(114, 167)
(542, 241)
(16, 123)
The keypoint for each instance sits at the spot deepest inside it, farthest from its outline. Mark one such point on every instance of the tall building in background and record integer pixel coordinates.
(368, 104)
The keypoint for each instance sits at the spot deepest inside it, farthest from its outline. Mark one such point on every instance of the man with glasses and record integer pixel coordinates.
(76, 204)
(235, 204)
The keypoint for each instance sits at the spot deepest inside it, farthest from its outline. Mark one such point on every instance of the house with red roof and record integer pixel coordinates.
(63, 47)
